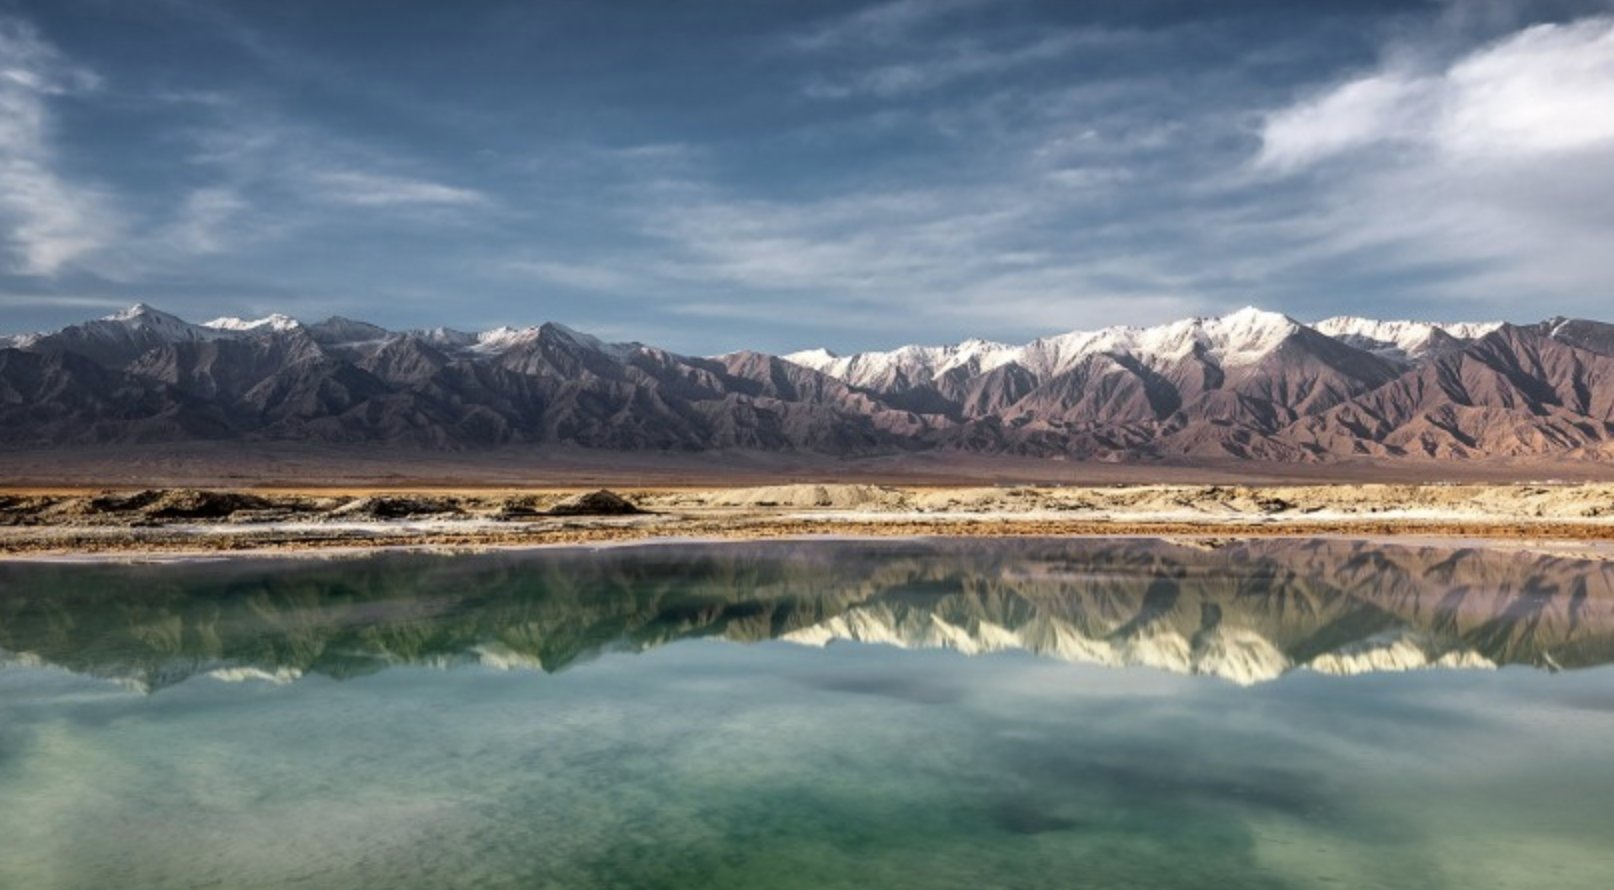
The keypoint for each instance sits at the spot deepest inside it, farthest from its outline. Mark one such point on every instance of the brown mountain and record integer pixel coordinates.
(1252, 385)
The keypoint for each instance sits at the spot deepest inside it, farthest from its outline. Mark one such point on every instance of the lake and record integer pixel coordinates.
(927, 714)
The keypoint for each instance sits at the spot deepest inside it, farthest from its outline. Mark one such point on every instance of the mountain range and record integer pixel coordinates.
(1248, 385)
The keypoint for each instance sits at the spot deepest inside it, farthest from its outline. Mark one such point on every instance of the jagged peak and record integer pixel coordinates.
(131, 313)
(144, 313)
(506, 337)
(587, 341)
(444, 336)
(340, 329)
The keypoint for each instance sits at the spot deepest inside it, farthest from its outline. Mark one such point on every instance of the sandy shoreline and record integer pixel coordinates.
(219, 522)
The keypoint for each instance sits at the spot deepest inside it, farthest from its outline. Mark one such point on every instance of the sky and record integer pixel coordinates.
(707, 176)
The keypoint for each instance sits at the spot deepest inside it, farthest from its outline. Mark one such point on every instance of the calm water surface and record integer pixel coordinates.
(836, 714)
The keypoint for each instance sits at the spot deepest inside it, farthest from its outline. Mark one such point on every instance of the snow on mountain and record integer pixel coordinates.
(1290, 392)
(145, 319)
(503, 339)
(275, 322)
(1234, 340)
(908, 364)
(120, 337)
(1398, 339)
(448, 338)
(1239, 338)
(142, 325)
(337, 330)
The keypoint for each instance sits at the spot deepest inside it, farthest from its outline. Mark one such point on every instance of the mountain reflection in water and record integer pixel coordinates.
(1246, 612)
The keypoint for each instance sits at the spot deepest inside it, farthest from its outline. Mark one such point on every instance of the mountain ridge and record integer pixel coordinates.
(1251, 384)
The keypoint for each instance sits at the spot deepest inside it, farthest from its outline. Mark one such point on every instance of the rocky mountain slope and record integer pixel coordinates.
(1252, 384)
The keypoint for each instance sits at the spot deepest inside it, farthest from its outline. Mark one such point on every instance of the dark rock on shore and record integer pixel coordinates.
(595, 503)
(398, 507)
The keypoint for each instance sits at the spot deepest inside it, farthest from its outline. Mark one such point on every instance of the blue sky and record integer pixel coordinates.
(712, 175)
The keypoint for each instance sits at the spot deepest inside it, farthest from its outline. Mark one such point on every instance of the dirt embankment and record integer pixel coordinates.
(167, 520)
(1505, 502)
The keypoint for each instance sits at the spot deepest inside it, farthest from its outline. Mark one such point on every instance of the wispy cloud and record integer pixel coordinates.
(939, 65)
(984, 257)
(881, 23)
(902, 48)
(50, 218)
(578, 276)
(367, 189)
(65, 301)
(204, 222)
(262, 177)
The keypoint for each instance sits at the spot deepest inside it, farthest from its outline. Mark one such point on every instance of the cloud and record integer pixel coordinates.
(257, 177)
(49, 219)
(1364, 112)
(881, 23)
(1482, 167)
(205, 217)
(1547, 90)
(62, 301)
(262, 158)
(853, 243)
(947, 63)
(990, 259)
(368, 189)
(907, 47)
(577, 276)
(1542, 91)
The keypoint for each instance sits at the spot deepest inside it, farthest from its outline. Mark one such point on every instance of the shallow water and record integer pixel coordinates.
(834, 714)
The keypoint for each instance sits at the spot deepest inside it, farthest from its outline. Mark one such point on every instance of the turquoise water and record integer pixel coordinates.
(1123, 713)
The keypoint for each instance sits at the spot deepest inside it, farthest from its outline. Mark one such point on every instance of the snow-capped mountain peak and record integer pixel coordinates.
(146, 323)
(142, 315)
(913, 363)
(1398, 339)
(816, 359)
(1236, 339)
(1247, 336)
(503, 337)
(274, 322)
